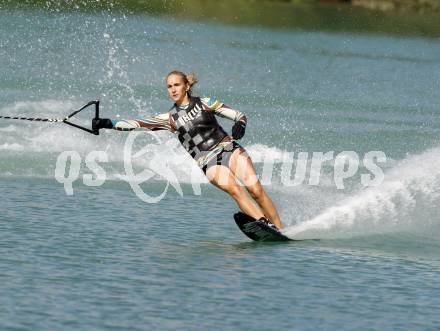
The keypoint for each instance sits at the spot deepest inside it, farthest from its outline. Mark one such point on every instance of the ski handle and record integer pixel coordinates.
(94, 102)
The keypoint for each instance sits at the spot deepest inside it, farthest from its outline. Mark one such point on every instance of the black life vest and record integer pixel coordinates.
(198, 129)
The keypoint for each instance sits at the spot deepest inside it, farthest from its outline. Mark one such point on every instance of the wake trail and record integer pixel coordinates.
(406, 201)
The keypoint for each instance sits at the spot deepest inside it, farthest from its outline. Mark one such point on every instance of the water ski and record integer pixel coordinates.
(257, 230)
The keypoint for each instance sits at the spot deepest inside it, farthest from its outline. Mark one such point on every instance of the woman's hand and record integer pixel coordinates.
(101, 123)
(238, 130)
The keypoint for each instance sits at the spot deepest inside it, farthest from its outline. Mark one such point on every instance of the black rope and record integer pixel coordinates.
(62, 120)
(32, 119)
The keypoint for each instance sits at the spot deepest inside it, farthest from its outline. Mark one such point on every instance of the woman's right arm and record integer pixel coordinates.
(155, 123)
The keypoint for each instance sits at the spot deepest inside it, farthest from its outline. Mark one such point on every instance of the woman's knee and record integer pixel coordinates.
(256, 191)
(235, 190)
(232, 188)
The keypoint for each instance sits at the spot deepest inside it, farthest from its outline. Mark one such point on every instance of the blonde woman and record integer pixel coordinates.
(224, 162)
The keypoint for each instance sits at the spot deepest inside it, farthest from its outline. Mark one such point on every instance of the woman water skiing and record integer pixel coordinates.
(220, 157)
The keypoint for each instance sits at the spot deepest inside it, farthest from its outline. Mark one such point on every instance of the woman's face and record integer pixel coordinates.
(177, 89)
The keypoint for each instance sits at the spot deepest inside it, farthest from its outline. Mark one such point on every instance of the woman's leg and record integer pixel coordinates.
(241, 165)
(223, 178)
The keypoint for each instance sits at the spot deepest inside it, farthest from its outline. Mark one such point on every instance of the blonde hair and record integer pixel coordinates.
(190, 79)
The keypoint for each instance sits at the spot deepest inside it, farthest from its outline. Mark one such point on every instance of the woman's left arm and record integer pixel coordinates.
(220, 109)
